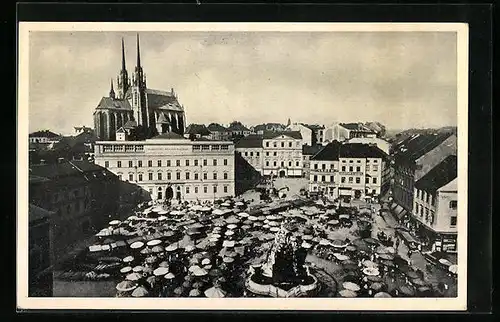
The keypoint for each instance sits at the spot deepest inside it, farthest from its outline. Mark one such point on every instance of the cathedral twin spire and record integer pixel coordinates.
(138, 78)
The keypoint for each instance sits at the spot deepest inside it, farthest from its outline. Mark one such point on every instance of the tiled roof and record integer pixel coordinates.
(361, 150)
(417, 145)
(356, 127)
(108, 102)
(44, 134)
(313, 126)
(330, 152)
(67, 168)
(121, 130)
(214, 127)
(169, 136)
(162, 100)
(269, 126)
(200, 129)
(292, 134)
(36, 213)
(439, 176)
(311, 150)
(251, 141)
(130, 124)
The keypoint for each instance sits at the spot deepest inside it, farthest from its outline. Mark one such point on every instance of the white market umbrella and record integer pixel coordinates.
(243, 214)
(154, 242)
(215, 292)
(137, 245)
(160, 271)
(351, 286)
(453, 269)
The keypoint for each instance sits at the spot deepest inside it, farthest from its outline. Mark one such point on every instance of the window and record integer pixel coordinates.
(289, 144)
(178, 176)
(358, 161)
(130, 177)
(351, 169)
(297, 163)
(282, 163)
(195, 163)
(215, 176)
(150, 163)
(225, 175)
(367, 180)
(246, 153)
(282, 144)
(205, 147)
(323, 166)
(118, 164)
(150, 176)
(315, 166)
(225, 160)
(215, 189)
(205, 189)
(274, 163)
(187, 190)
(331, 179)
(187, 163)
(375, 161)
(139, 164)
(358, 180)
(315, 178)
(343, 168)
(342, 179)
(169, 176)
(453, 221)
(106, 164)
(205, 176)
(159, 176)
(432, 217)
(215, 162)
(375, 167)
(177, 163)
(453, 204)
(225, 189)
(195, 189)
(267, 154)
(358, 169)
(374, 191)
(119, 177)
(187, 175)
(275, 153)
(205, 162)
(374, 180)
(275, 144)
(267, 163)
(426, 214)
(427, 198)
(256, 153)
(130, 164)
(267, 144)
(367, 160)
(140, 176)
(196, 176)
(289, 163)
(350, 179)
(168, 163)
(251, 154)
(323, 178)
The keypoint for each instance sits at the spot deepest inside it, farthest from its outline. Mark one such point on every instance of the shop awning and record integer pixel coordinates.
(408, 237)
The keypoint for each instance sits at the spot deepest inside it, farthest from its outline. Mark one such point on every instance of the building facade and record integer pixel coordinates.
(218, 132)
(307, 153)
(380, 143)
(349, 170)
(345, 131)
(194, 169)
(44, 137)
(134, 101)
(305, 132)
(39, 263)
(435, 204)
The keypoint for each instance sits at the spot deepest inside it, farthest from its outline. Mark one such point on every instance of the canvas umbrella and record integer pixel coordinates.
(218, 212)
(371, 271)
(324, 242)
(266, 226)
(114, 222)
(186, 284)
(351, 248)
(205, 261)
(377, 286)
(386, 256)
(215, 292)
(160, 271)
(243, 215)
(231, 226)
(341, 257)
(382, 295)
(348, 293)
(412, 275)
(169, 276)
(126, 270)
(351, 286)
(368, 263)
(194, 292)
(171, 248)
(200, 272)
(163, 264)
(445, 262)
(133, 277)
(151, 259)
(374, 278)
(189, 248)
(307, 237)
(229, 233)
(231, 254)
(178, 291)
(158, 249)
(215, 272)
(128, 259)
(168, 233)
(406, 290)
(274, 229)
(137, 269)
(137, 245)
(126, 286)
(154, 242)
(228, 259)
(453, 269)
(146, 251)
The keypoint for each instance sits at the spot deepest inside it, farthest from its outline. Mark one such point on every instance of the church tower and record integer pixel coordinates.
(139, 104)
(123, 81)
(112, 91)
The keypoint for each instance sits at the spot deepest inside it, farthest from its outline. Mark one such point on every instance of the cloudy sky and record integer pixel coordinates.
(402, 79)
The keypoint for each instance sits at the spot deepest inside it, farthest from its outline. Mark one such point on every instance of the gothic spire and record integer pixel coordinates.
(123, 55)
(112, 91)
(138, 53)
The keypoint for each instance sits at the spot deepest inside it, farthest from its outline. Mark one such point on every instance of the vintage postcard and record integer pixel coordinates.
(243, 166)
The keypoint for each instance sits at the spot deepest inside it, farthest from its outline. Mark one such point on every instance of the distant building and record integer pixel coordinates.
(305, 132)
(39, 262)
(380, 143)
(197, 131)
(238, 129)
(349, 170)
(413, 159)
(345, 131)
(318, 133)
(82, 196)
(218, 132)
(435, 205)
(45, 137)
(308, 152)
(134, 101)
(268, 127)
(194, 169)
(251, 149)
(83, 129)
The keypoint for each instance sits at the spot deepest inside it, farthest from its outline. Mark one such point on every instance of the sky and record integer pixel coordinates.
(401, 79)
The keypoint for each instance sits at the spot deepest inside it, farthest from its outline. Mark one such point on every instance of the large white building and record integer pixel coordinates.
(273, 153)
(201, 170)
(435, 205)
(345, 131)
(305, 132)
(380, 143)
(349, 170)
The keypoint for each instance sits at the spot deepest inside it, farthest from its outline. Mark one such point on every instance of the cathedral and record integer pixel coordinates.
(136, 108)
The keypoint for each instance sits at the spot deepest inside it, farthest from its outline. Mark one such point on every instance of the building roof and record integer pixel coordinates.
(121, 130)
(163, 100)
(169, 136)
(114, 103)
(200, 129)
(361, 150)
(439, 176)
(292, 134)
(329, 152)
(356, 127)
(251, 141)
(36, 213)
(237, 127)
(130, 124)
(450, 186)
(44, 134)
(63, 169)
(215, 127)
(269, 127)
(417, 145)
(311, 150)
(313, 126)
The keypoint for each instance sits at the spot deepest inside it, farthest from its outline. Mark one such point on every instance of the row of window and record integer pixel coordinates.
(122, 148)
(210, 147)
(282, 164)
(225, 189)
(159, 163)
(343, 179)
(425, 196)
(187, 176)
(359, 161)
(344, 168)
(282, 144)
(274, 154)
